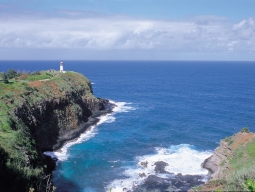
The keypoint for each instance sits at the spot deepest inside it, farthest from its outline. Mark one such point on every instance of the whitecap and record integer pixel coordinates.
(121, 107)
(182, 158)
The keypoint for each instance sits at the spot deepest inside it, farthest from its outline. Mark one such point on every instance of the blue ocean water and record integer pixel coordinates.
(171, 111)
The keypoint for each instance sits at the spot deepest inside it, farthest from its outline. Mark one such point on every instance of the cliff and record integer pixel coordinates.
(38, 113)
(231, 164)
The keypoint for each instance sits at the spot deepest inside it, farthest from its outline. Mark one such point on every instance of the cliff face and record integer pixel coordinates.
(51, 118)
(231, 163)
(36, 116)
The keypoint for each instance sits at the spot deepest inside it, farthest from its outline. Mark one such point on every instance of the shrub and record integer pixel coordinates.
(245, 130)
(3, 77)
(249, 185)
(36, 73)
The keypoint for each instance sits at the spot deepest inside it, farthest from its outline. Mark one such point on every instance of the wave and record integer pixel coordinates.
(122, 107)
(182, 158)
(119, 107)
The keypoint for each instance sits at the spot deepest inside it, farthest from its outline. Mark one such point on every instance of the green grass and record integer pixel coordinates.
(251, 149)
(242, 165)
(38, 77)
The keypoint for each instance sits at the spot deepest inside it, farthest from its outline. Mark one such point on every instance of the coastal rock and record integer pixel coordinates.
(153, 183)
(213, 163)
(142, 175)
(177, 182)
(144, 164)
(160, 167)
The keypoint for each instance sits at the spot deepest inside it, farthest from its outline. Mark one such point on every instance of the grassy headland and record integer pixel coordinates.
(232, 163)
(35, 109)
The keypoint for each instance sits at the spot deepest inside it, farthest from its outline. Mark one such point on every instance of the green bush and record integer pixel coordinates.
(245, 130)
(36, 73)
(11, 73)
(249, 185)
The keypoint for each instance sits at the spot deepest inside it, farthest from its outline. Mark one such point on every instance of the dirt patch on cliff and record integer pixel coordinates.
(23, 76)
(35, 84)
(241, 139)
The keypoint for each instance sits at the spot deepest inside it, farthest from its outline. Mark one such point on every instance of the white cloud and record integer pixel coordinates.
(245, 30)
(92, 31)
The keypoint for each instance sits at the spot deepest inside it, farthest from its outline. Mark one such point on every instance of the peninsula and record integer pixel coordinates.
(39, 112)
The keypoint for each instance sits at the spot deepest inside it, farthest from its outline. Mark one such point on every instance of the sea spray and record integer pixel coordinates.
(184, 159)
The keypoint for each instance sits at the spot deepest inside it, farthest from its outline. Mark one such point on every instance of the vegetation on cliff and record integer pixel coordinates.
(232, 163)
(35, 109)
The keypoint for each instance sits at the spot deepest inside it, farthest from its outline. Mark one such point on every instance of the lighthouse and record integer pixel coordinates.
(61, 67)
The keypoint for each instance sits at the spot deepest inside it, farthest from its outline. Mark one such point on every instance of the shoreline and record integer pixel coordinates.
(71, 136)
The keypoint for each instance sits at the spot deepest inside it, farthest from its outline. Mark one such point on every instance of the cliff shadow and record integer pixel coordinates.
(66, 185)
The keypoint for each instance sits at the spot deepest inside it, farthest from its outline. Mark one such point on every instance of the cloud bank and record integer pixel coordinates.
(92, 31)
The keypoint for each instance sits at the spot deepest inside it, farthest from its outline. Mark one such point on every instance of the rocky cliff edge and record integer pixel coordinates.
(39, 113)
(231, 163)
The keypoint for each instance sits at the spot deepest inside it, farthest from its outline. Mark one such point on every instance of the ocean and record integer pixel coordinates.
(171, 111)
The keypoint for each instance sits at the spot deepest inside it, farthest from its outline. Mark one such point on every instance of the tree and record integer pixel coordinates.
(11, 73)
(3, 77)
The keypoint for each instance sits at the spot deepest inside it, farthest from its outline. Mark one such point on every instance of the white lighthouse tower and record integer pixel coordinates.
(61, 67)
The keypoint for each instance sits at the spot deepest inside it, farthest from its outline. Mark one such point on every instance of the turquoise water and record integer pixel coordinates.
(171, 111)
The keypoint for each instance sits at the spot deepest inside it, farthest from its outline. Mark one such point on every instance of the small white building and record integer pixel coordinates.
(61, 67)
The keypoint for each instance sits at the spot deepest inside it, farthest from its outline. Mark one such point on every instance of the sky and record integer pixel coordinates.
(127, 30)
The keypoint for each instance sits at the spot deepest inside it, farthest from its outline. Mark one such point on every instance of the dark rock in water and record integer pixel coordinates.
(186, 182)
(155, 184)
(160, 167)
(144, 164)
(142, 175)
(177, 182)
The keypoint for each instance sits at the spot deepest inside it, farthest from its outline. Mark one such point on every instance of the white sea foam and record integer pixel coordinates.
(180, 158)
(122, 107)
(62, 153)
(119, 107)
